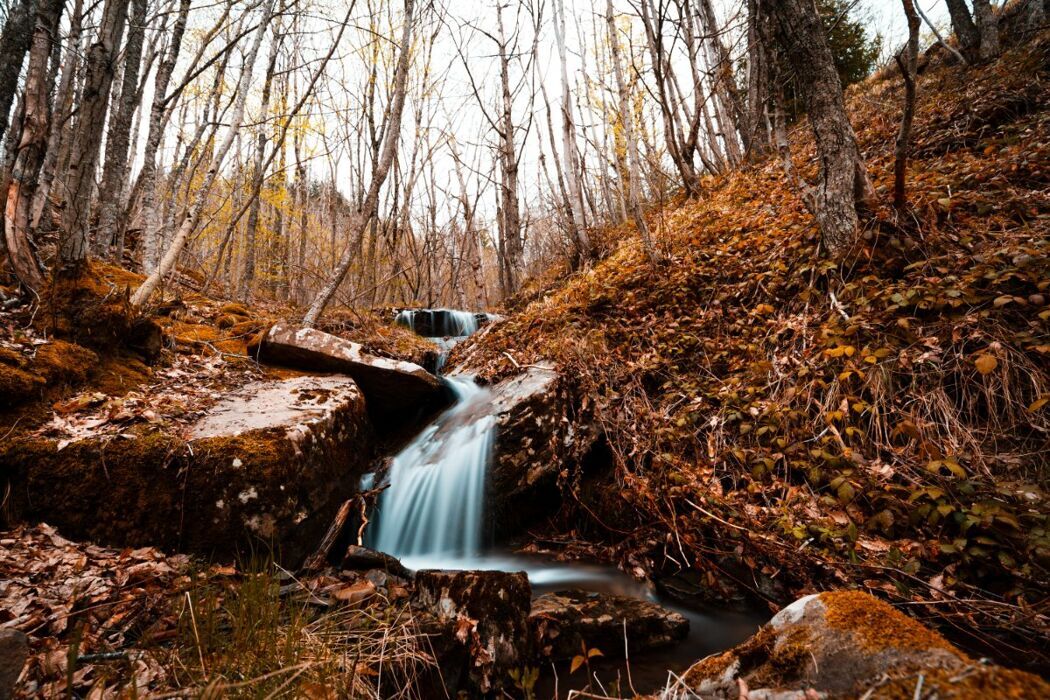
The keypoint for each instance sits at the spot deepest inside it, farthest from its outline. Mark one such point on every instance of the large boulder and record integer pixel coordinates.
(533, 438)
(845, 644)
(390, 386)
(565, 621)
(479, 625)
(268, 465)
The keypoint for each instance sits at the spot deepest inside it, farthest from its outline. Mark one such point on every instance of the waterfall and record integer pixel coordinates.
(433, 508)
(440, 323)
(432, 511)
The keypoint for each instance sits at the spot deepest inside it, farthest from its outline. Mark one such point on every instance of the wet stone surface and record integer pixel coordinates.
(565, 620)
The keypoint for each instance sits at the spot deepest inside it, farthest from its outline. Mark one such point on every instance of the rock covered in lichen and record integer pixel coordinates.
(479, 623)
(266, 466)
(843, 644)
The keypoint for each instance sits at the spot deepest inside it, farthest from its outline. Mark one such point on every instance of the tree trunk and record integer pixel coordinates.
(87, 137)
(32, 142)
(119, 136)
(574, 173)
(634, 197)
(171, 256)
(62, 112)
(908, 67)
(252, 224)
(14, 43)
(757, 88)
(988, 28)
(964, 28)
(360, 218)
(843, 180)
(148, 177)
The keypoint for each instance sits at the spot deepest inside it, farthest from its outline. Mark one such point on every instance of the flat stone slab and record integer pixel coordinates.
(266, 467)
(564, 620)
(389, 385)
(294, 404)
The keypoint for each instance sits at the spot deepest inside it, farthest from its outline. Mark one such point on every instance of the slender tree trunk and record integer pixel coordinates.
(87, 138)
(988, 28)
(573, 167)
(14, 43)
(360, 218)
(757, 88)
(148, 177)
(964, 28)
(119, 136)
(31, 146)
(252, 224)
(843, 181)
(62, 112)
(189, 223)
(909, 68)
(634, 197)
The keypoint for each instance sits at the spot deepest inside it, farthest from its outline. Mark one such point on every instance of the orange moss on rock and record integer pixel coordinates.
(975, 683)
(878, 625)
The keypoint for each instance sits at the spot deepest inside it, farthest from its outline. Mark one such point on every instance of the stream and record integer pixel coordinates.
(431, 516)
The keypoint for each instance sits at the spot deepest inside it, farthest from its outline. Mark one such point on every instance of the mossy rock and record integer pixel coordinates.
(843, 644)
(265, 468)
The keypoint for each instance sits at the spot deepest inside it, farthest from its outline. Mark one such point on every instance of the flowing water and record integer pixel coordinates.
(431, 516)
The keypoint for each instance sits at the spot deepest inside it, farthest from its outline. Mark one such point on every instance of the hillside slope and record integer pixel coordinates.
(782, 423)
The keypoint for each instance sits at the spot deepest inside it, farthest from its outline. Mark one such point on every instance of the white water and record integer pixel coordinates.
(434, 506)
(448, 322)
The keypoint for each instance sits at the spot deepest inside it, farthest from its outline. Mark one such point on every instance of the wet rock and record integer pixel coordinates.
(480, 622)
(533, 436)
(389, 385)
(14, 649)
(838, 644)
(268, 465)
(561, 622)
(358, 558)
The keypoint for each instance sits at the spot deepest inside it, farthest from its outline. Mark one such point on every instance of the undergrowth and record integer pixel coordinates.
(784, 423)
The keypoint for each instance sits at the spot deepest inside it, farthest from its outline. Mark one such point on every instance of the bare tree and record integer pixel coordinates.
(627, 120)
(964, 27)
(843, 180)
(87, 138)
(988, 28)
(909, 68)
(392, 134)
(119, 136)
(14, 43)
(33, 141)
(189, 223)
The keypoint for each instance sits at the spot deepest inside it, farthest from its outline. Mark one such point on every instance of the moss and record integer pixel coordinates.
(236, 310)
(878, 625)
(60, 361)
(17, 385)
(227, 321)
(978, 683)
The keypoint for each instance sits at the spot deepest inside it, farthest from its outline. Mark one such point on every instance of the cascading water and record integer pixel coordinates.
(431, 514)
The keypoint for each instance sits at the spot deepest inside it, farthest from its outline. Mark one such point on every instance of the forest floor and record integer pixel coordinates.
(781, 424)
(771, 422)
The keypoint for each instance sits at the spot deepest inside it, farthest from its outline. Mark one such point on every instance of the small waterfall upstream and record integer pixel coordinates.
(431, 514)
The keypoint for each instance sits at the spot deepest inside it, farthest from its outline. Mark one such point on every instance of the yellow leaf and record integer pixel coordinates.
(577, 661)
(1036, 405)
(985, 364)
(594, 652)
